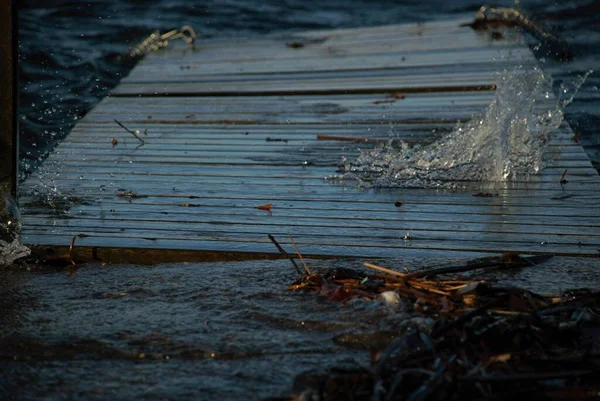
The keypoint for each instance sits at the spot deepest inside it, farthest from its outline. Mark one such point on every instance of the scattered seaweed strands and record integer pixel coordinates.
(482, 342)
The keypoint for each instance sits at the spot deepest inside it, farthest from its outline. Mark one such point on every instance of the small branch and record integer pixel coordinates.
(299, 254)
(562, 177)
(283, 252)
(134, 133)
(497, 262)
(383, 269)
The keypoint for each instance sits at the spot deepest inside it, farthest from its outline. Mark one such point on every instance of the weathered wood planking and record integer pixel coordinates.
(235, 124)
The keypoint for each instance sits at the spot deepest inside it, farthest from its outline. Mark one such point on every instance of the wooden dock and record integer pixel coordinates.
(234, 125)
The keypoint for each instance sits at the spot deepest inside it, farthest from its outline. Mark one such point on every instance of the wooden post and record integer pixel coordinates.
(8, 98)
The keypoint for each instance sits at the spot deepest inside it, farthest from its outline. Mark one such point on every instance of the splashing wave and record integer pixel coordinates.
(505, 143)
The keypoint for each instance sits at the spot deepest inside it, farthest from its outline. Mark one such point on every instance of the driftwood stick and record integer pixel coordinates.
(451, 269)
(385, 270)
(283, 252)
(481, 265)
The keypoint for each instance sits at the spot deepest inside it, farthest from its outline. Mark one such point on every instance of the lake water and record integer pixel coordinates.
(194, 331)
(198, 331)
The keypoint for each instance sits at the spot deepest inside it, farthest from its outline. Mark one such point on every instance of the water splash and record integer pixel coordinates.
(10, 232)
(11, 251)
(506, 143)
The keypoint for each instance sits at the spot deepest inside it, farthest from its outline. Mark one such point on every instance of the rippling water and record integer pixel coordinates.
(213, 331)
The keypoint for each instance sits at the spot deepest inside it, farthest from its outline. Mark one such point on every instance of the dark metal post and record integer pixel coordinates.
(8, 98)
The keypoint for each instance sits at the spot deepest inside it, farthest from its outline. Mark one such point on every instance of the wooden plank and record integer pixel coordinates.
(280, 49)
(421, 28)
(177, 189)
(288, 195)
(225, 141)
(393, 37)
(349, 247)
(463, 231)
(308, 65)
(456, 59)
(497, 218)
(298, 109)
(300, 171)
(322, 43)
(405, 84)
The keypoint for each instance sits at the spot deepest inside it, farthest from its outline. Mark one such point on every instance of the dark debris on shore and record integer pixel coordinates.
(486, 342)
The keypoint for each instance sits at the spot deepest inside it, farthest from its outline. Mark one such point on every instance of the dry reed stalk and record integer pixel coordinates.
(299, 254)
(383, 269)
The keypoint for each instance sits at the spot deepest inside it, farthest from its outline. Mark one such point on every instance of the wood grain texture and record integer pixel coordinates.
(240, 123)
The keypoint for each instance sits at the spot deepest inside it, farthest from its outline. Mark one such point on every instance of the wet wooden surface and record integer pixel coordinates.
(235, 124)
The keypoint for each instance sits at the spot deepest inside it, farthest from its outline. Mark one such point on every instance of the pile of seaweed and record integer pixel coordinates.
(485, 341)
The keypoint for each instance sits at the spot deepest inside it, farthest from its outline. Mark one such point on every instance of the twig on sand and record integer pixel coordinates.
(299, 254)
(283, 252)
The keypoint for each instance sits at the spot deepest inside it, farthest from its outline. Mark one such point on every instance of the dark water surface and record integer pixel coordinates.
(218, 331)
(193, 331)
(70, 49)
